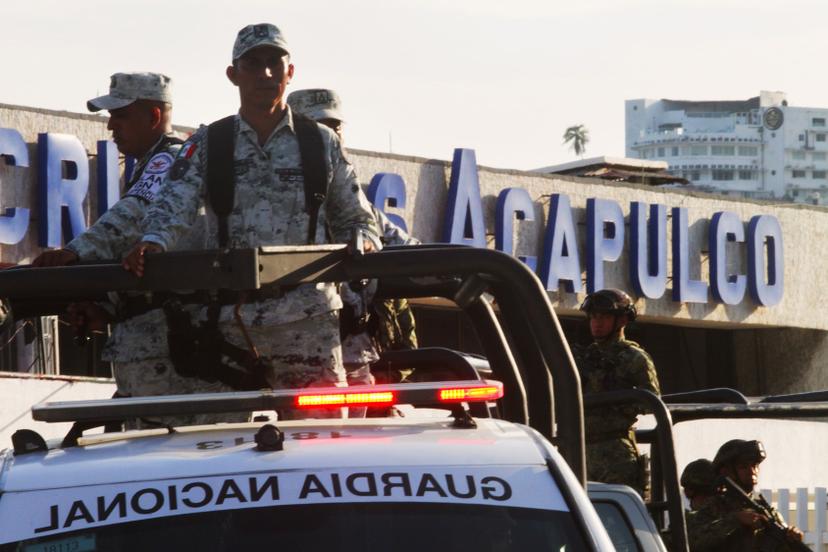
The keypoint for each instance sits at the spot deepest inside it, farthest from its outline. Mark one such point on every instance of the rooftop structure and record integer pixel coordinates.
(618, 169)
(759, 148)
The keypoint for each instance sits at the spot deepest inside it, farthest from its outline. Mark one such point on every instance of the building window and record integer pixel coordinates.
(675, 151)
(818, 121)
(698, 150)
(745, 175)
(819, 175)
(798, 155)
(695, 175)
(722, 174)
(818, 156)
(801, 137)
(660, 152)
(820, 137)
(748, 151)
(723, 150)
(798, 174)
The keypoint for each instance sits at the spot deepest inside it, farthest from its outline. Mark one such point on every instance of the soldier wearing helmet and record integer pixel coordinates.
(612, 362)
(723, 522)
(699, 481)
(739, 460)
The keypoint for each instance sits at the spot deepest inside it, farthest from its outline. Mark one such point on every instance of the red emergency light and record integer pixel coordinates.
(414, 393)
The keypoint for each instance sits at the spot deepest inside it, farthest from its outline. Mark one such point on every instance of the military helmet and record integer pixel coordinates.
(739, 450)
(610, 300)
(699, 474)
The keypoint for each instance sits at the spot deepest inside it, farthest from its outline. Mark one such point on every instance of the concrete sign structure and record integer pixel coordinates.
(689, 258)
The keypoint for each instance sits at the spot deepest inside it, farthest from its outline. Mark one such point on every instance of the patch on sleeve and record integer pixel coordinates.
(147, 186)
(179, 168)
(187, 150)
(159, 164)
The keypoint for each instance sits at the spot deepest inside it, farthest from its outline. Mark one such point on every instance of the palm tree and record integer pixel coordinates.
(577, 136)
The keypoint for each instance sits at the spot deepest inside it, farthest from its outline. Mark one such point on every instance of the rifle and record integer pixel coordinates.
(775, 528)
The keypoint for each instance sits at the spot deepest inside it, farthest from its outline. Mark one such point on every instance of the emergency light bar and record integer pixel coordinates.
(428, 393)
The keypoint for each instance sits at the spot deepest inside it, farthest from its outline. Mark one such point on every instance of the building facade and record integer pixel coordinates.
(758, 148)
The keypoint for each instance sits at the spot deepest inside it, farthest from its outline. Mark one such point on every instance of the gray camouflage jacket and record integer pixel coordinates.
(117, 230)
(269, 209)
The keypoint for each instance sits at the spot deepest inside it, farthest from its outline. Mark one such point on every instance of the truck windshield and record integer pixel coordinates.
(332, 528)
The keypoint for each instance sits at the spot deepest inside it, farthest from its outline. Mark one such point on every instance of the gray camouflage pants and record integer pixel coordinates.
(157, 376)
(304, 353)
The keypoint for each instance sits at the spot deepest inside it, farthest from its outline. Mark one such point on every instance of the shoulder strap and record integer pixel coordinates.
(314, 169)
(221, 181)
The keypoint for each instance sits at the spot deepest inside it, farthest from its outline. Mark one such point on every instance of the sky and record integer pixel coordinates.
(423, 77)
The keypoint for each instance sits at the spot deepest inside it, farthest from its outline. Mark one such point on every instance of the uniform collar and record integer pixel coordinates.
(150, 152)
(245, 128)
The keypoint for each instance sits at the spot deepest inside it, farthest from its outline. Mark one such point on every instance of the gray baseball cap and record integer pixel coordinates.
(261, 34)
(125, 88)
(316, 103)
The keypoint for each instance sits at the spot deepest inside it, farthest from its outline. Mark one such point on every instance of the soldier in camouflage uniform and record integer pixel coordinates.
(391, 323)
(611, 363)
(723, 523)
(699, 481)
(297, 334)
(140, 109)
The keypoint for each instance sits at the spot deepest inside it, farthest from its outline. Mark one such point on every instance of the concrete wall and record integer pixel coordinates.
(804, 229)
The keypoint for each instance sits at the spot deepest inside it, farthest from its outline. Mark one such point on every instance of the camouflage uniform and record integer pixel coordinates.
(396, 328)
(269, 210)
(117, 230)
(359, 330)
(714, 528)
(137, 346)
(612, 455)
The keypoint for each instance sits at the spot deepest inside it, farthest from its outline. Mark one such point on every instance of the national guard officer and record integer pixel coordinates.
(265, 200)
(140, 119)
(609, 363)
(726, 522)
(366, 325)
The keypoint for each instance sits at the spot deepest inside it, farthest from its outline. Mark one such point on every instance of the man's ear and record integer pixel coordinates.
(155, 117)
(231, 74)
(290, 72)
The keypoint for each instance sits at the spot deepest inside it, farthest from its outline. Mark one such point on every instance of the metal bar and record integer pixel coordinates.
(266, 399)
(717, 395)
(235, 269)
(685, 412)
(516, 288)
(300, 265)
(501, 360)
(519, 288)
